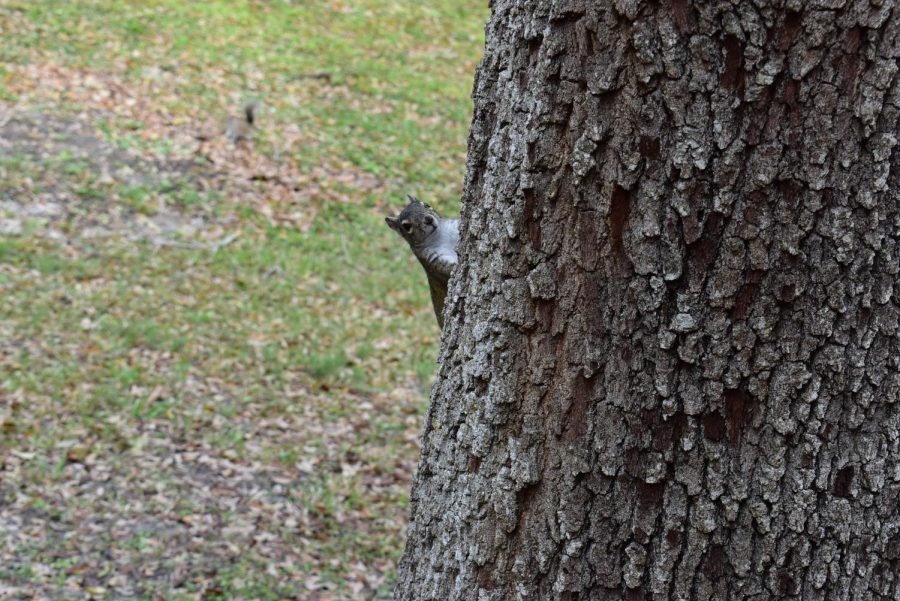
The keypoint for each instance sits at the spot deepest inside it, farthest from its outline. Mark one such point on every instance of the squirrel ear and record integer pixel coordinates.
(413, 199)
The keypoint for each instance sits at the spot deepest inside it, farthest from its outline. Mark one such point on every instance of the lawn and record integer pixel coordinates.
(215, 358)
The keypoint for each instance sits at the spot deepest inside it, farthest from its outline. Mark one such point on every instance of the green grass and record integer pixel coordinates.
(401, 70)
(103, 337)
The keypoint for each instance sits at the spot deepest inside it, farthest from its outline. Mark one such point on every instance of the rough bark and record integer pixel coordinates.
(671, 366)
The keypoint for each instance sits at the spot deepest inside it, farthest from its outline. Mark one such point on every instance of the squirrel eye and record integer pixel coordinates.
(407, 226)
(429, 220)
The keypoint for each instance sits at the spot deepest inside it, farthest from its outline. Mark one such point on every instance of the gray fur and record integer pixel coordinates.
(433, 241)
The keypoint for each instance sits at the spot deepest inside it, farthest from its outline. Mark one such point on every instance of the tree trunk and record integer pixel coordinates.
(671, 366)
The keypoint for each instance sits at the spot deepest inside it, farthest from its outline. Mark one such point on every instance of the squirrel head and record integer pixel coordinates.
(416, 223)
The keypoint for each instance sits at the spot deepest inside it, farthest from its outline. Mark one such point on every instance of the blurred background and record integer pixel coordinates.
(215, 357)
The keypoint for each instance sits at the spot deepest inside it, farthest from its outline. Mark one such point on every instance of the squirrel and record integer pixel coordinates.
(241, 128)
(433, 241)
